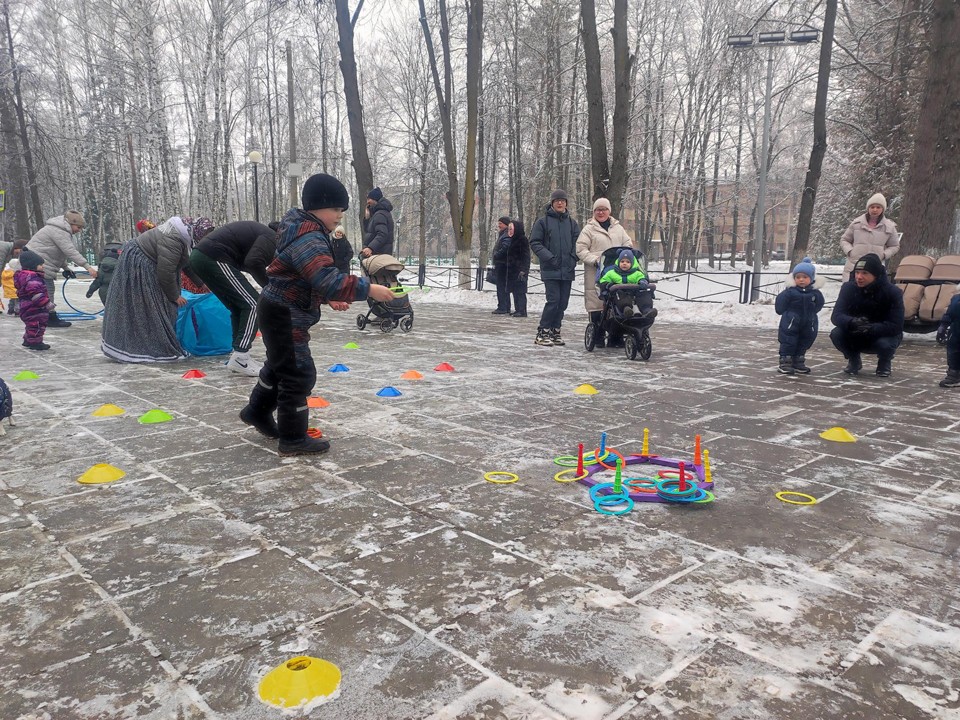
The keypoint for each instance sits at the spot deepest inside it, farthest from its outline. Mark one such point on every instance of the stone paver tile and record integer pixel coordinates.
(11, 516)
(581, 651)
(494, 699)
(358, 524)
(53, 622)
(110, 507)
(908, 667)
(220, 465)
(389, 671)
(145, 555)
(120, 683)
(410, 478)
(173, 442)
(793, 623)
(435, 578)
(223, 610)
(60, 480)
(31, 455)
(26, 556)
(900, 483)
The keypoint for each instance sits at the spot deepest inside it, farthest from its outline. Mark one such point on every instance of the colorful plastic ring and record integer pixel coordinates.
(809, 499)
(611, 500)
(700, 494)
(560, 479)
(663, 488)
(509, 477)
(675, 474)
(598, 488)
(627, 507)
(573, 460)
(641, 487)
(710, 497)
(602, 458)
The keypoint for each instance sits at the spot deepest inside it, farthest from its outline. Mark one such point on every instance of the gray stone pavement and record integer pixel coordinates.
(170, 593)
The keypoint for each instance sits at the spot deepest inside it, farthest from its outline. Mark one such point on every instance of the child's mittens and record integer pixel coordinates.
(643, 284)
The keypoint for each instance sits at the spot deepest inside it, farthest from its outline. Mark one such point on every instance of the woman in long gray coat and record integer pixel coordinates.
(601, 232)
(140, 316)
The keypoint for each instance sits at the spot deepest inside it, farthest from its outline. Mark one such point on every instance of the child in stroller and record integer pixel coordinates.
(627, 296)
(385, 270)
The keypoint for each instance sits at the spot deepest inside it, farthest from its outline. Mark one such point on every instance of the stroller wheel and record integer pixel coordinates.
(361, 321)
(588, 338)
(630, 346)
(386, 325)
(646, 347)
(406, 323)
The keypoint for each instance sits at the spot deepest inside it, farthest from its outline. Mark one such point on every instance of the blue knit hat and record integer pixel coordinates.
(806, 267)
(626, 253)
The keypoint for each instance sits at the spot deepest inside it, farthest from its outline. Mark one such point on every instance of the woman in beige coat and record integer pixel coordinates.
(600, 233)
(870, 233)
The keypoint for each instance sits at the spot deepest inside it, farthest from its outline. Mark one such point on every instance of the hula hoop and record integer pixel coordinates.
(675, 475)
(560, 479)
(77, 314)
(627, 502)
(510, 477)
(600, 460)
(810, 499)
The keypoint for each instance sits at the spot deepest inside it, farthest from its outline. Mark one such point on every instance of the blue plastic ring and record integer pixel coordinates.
(699, 496)
(628, 506)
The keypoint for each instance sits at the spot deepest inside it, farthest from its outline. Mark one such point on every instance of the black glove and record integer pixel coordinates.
(69, 274)
(90, 292)
(942, 332)
(860, 325)
(643, 285)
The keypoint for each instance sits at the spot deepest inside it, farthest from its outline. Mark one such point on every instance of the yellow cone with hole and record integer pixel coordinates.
(586, 389)
(838, 434)
(108, 410)
(101, 473)
(299, 681)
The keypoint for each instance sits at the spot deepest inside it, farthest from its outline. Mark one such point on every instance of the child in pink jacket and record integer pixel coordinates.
(35, 303)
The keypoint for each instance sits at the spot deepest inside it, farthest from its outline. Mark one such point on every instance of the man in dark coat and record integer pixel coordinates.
(220, 260)
(500, 249)
(868, 316)
(378, 232)
(554, 241)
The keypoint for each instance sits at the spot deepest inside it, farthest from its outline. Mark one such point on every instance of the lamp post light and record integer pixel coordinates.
(256, 157)
(773, 39)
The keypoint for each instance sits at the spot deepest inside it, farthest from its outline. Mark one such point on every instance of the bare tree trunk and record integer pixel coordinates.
(930, 196)
(362, 168)
(596, 121)
(812, 180)
(623, 100)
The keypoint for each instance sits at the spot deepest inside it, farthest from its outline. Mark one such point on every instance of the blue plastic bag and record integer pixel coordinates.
(203, 325)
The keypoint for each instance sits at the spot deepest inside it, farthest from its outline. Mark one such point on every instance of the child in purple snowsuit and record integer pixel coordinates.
(35, 304)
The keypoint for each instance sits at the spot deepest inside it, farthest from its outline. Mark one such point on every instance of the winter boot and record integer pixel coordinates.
(883, 367)
(304, 446)
(800, 365)
(853, 364)
(292, 424)
(53, 320)
(241, 362)
(544, 337)
(263, 424)
(555, 336)
(786, 365)
(951, 380)
(36, 346)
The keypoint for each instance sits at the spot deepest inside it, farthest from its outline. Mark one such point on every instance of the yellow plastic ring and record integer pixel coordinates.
(560, 479)
(808, 499)
(509, 477)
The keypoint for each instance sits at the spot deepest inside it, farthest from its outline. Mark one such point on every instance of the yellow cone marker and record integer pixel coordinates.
(108, 410)
(101, 473)
(299, 681)
(838, 434)
(586, 389)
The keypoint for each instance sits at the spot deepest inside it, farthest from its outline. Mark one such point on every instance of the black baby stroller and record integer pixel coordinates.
(385, 270)
(628, 310)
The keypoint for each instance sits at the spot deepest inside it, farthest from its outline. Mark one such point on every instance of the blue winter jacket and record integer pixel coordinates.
(554, 241)
(798, 308)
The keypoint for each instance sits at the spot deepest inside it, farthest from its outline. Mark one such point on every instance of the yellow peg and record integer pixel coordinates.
(706, 467)
(646, 442)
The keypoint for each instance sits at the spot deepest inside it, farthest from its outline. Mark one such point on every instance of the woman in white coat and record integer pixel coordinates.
(870, 233)
(600, 233)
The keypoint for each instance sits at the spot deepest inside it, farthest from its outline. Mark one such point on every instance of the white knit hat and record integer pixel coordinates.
(877, 199)
(601, 203)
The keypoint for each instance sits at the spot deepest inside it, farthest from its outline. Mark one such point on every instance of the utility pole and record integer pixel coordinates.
(294, 169)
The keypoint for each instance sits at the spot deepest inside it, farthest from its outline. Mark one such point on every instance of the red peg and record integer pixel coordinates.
(697, 461)
(683, 483)
(579, 459)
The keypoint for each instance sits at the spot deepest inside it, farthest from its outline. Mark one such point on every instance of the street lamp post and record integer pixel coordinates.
(773, 39)
(256, 158)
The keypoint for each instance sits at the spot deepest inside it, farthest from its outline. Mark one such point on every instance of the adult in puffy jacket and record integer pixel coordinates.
(868, 317)
(499, 258)
(554, 241)
(54, 243)
(220, 260)
(870, 233)
(342, 249)
(797, 307)
(378, 232)
(601, 232)
(140, 317)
